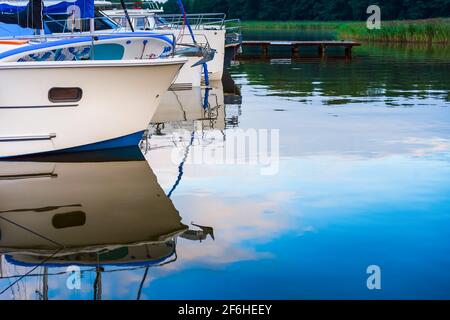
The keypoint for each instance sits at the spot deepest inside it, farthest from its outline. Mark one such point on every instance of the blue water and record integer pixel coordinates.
(363, 179)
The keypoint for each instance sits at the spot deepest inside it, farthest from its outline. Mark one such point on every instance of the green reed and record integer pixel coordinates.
(421, 31)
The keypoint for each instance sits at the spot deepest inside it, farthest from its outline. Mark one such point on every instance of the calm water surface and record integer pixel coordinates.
(363, 179)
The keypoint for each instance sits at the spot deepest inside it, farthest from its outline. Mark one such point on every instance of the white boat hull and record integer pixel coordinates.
(118, 101)
(216, 40)
(189, 76)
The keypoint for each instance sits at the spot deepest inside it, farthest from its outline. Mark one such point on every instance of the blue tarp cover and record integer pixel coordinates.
(51, 7)
(6, 30)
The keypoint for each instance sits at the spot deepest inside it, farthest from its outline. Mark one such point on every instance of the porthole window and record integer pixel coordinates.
(69, 220)
(65, 94)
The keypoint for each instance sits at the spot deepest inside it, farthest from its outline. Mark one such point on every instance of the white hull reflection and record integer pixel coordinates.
(180, 105)
(112, 212)
(100, 212)
(182, 115)
(189, 108)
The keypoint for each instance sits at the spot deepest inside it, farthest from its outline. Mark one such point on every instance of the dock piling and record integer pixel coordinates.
(321, 51)
(348, 52)
(295, 50)
(265, 50)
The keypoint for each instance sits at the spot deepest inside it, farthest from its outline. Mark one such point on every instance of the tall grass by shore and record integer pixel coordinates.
(420, 31)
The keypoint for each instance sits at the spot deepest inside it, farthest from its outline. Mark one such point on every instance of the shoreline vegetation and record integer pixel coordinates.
(425, 21)
(401, 31)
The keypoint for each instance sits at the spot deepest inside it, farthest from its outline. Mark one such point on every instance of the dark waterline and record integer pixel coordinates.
(363, 179)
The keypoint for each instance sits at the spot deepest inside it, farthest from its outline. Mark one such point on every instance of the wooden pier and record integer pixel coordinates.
(296, 45)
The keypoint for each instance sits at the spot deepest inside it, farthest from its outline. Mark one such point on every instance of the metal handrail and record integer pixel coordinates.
(94, 37)
(233, 33)
(197, 20)
(150, 5)
(238, 25)
(205, 43)
(124, 26)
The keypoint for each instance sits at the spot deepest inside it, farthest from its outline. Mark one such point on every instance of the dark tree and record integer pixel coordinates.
(315, 9)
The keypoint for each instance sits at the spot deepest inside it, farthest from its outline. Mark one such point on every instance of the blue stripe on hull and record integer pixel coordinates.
(10, 259)
(131, 140)
(125, 141)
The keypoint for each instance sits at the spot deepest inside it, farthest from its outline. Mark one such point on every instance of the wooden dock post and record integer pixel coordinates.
(321, 51)
(348, 52)
(265, 50)
(295, 50)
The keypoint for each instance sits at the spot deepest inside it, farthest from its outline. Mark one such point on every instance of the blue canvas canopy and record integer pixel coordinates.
(7, 30)
(86, 7)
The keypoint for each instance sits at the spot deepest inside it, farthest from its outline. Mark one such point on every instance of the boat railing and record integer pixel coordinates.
(233, 25)
(94, 37)
(122, 25)
(233, 33)
(196, 20)
(145, 5)
(200, 40)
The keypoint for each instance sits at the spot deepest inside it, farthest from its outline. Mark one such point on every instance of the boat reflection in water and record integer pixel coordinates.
(189, 119)
(207, 108)
(203, 108)
(95, 210)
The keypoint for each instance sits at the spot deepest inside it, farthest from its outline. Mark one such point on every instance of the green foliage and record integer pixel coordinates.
(431, 31)
(322, 10)
(327, 14)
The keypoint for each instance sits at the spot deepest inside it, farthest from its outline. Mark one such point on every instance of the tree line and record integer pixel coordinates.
(321, 10)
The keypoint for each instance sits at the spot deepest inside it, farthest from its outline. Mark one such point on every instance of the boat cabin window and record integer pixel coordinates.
(65, 94)
(140, 23)
(58, 23)
(104, 23)
(64, 23)
(159, 22)
(122, 21)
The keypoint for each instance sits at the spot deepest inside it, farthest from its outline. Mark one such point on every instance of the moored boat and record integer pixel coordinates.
(73, 30)
(209, 29)
(66, 106)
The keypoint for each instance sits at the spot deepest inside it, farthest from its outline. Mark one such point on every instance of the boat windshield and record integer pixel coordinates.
(61, 23)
